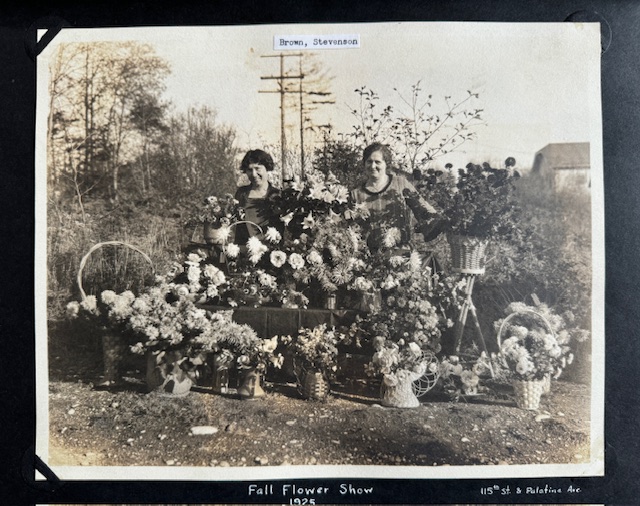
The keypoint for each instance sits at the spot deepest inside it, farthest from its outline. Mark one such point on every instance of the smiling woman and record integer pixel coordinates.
(256, 164)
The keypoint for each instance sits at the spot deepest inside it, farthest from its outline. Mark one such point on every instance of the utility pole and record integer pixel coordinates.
(282, 91)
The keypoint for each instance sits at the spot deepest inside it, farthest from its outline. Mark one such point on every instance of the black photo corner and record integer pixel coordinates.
(620, 85)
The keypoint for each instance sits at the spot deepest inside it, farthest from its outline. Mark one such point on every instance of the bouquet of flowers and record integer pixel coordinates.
(315, 348)
(537, 341)
(249, 350)
(480, 202)
(462, 377)
(217, 211)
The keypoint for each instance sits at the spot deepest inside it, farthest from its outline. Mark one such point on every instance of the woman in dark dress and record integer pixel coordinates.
(256, 164)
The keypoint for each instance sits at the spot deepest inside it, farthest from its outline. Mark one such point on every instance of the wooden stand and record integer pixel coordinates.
(467, 306)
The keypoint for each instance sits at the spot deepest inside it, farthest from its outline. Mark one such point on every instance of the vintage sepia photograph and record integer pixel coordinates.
(314, 250)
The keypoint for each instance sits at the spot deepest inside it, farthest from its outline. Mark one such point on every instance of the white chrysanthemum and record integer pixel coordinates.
(73, 308)
(278, 258)
(397, 260)
(90, 303)
(193, 258)
(391, 237)
(267, 280)
(214, 274)
(272, 235)
(415, 349)
(256, 249)
(193, 274)
(108, 296)
(296, 261)
(232, 250)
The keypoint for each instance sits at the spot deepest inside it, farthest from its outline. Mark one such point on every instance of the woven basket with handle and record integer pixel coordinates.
(112, 345)
(546, 382)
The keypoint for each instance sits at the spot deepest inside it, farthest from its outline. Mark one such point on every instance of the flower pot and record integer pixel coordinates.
(215, 234)
(467, 254)
(528, 393)
(396, 390)
(546, 384)
(220, 374)
(164, 374)
(113, 350)
(313, 385)
(250, 386)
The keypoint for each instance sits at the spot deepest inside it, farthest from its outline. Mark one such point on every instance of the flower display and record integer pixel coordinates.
(315, 348)
(479, 201)
(221, 211)
(536, 342)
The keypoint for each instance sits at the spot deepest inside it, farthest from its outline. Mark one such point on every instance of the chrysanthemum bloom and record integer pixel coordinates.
(232, 250)
(108, 296)
(391, 237)
(73, 308)
(214, 274)
(90, 303)
(256, 249)
(278, 258)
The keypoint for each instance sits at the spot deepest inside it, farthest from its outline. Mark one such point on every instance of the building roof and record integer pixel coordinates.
(566, 155)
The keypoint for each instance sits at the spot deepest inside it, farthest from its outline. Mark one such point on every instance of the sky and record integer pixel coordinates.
(537, 83)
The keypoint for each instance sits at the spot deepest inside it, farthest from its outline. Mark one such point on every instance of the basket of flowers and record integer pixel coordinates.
(477, 204)
(315, 359)
(530, 353)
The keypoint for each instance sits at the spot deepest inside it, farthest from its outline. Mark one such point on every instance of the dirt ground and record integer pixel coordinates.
(125, 425)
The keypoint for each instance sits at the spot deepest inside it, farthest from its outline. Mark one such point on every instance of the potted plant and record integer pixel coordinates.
(315, 359)
(216, 215)
(252, 356)
(171, 331)
(477, 204)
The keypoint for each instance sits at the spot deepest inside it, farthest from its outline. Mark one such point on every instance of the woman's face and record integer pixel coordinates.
(375, 166)
(257, 174)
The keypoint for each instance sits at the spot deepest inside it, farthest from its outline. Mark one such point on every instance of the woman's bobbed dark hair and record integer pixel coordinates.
(258, 157)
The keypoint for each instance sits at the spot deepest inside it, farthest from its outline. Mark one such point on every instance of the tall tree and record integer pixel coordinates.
(95, 89)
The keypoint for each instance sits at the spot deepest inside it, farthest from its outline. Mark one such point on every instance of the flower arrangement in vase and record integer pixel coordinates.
(252, 356)
(315, 358)
(216, 215)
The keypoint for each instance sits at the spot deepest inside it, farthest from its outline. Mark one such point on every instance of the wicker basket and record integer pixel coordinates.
(314, 386)
(113, 347)
(545, 383)
(467, 254)
(430, 377)
(528, 393)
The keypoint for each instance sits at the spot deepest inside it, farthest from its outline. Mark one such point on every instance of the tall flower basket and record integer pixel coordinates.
(468, 254)
(113, 345)
(528, 393)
